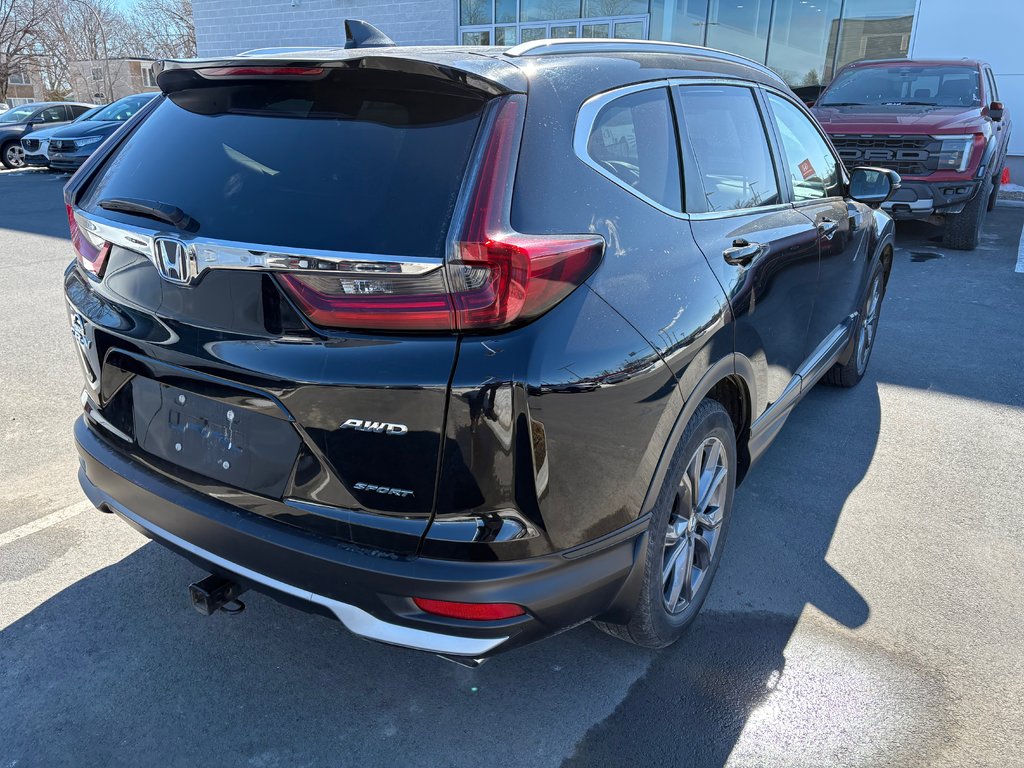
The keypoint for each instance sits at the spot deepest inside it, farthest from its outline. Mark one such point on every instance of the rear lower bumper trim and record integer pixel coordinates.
(355, 619)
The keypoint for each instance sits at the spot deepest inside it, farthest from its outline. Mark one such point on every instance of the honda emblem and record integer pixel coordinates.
(173, 260)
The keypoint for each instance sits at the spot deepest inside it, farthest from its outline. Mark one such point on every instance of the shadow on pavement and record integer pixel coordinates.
(31, 202)
(118, 669)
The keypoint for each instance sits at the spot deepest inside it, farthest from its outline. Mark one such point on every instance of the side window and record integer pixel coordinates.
(809, 161)
(77, 111)
(633, 139)
(731, 157)
(52, 115)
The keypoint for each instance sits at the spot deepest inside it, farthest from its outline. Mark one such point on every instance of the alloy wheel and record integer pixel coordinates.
(869, 324)
(15, 156)
(694, 526)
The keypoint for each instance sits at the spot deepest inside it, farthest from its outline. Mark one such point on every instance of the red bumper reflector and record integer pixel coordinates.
(469, 611)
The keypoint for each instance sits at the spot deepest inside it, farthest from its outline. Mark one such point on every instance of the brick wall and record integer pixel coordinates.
(228, 26)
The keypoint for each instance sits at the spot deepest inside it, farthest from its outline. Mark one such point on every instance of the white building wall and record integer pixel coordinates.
(225, 27)
(983, 29)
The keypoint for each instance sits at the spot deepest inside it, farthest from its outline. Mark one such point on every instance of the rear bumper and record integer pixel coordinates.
(369, 592)
(920, 199)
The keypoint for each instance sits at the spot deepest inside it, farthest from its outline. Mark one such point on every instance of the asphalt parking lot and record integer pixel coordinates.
(868, 610)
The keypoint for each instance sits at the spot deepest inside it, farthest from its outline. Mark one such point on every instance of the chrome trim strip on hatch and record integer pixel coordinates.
(356, 620)
(205, 253)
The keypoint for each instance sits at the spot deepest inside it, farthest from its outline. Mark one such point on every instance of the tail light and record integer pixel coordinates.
(493, 277)
(469, 611)
(91, 251)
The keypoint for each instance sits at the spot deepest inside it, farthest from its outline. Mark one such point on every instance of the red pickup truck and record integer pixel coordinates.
(938, 123)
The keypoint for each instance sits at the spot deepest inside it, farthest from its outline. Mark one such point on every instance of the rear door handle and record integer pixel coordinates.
(743, 252)
(827, 228)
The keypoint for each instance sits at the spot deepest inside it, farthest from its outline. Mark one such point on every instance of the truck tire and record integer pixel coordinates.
(962, 230)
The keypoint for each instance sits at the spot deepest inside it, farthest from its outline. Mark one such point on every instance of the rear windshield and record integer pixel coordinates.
(942, 86)
(324, 165)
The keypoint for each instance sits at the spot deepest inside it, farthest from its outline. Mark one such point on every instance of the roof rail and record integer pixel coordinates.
(606, 45)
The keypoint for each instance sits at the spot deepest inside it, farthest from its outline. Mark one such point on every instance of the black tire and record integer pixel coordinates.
(4, 150)
(997, 182)
(652, 625)
(962, 231)
(850, 373)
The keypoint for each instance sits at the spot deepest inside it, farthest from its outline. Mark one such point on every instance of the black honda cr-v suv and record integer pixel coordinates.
(461, 346)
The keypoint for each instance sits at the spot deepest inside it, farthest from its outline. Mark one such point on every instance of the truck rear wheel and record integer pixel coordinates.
(963, 230)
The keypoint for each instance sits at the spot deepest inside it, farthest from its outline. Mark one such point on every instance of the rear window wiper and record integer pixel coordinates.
(151, 209)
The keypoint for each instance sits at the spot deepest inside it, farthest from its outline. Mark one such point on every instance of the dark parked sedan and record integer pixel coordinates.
(19, 121)
(71, 145)
(462, 347)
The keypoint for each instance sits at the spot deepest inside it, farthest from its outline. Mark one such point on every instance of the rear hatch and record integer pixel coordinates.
(260, 302)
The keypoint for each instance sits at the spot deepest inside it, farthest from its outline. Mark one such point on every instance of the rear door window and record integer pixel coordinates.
(732, 159)
(327, 165)
(633, 140)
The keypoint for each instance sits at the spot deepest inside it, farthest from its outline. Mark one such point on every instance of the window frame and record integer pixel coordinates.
(779, 150)
(22, 75)
(689, 157)
(586, 118)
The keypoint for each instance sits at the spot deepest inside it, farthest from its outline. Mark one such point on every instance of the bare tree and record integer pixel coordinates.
(166, 28)
(21, 27)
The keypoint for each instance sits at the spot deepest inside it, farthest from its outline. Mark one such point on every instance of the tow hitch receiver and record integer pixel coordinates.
(216, 593)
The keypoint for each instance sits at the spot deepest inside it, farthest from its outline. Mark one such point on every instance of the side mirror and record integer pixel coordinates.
(873, 186)
(995, 110)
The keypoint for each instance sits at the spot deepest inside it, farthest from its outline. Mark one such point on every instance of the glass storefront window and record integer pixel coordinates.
(475, 12)
(679, 21)
(505, 11)
(476, 38)
(873, 29)
(802, 33)
(595, 30)
(504, 35)
(529, 34)
(600, 9)
(629, 30)
(564, 30)
(548, 10)
(740, 26)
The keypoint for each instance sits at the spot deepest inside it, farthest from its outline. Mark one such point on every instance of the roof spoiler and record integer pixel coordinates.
(362, 34)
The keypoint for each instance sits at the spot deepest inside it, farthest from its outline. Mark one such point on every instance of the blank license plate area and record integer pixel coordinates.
(238, 447)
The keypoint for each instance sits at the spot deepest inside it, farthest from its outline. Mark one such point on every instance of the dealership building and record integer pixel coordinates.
(805, 41)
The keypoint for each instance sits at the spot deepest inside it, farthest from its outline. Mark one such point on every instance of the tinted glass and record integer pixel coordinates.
(993, 89)
(51, 115)
(730, 147)
(945, 86)
(77, 110)
(504, 11)
(325, 165)
(810, 163)
(605, 8)
(124, 108)
(476, 38)
(634, 139)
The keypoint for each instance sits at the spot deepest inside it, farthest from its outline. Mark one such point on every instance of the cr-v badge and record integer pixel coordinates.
(376, 426)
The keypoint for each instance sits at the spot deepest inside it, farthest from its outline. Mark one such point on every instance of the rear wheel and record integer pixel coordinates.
(963, 230)
(687, 532)
(12, 155)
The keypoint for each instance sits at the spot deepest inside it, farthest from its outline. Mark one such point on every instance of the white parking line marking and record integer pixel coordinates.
(44, 522)
(1020, 252)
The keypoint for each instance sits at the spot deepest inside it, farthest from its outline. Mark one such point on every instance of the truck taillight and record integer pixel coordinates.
(493, 276)
(91, 250)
